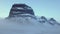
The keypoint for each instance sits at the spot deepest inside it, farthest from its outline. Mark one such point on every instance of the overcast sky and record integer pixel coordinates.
(47, 8)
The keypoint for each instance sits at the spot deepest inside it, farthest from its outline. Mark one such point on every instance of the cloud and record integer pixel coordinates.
(22, 25)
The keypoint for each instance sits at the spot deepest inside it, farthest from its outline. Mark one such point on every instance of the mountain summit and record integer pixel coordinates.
(18, 9)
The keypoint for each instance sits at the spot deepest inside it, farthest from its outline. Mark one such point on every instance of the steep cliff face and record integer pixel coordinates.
(18, 9)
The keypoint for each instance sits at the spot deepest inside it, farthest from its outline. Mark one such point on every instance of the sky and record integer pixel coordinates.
(47, 8)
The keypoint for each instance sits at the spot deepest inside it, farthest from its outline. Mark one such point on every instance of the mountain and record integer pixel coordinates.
(42, 19)
(53, 21)
(18, 9)
(22, 22)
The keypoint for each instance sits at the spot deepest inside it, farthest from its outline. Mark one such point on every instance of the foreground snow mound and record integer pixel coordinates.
(27, 24)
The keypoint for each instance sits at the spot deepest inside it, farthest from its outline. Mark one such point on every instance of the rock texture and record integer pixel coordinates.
(18, 9)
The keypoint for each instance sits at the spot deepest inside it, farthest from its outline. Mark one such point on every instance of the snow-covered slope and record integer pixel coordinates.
(27, 24)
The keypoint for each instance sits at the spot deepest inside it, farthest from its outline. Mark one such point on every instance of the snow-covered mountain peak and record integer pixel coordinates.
(18, 9)
(21, 20)
(52, 19)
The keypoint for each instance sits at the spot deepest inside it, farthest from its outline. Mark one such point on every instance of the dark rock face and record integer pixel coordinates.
(52, 21)
(42, 19)
(18, 9)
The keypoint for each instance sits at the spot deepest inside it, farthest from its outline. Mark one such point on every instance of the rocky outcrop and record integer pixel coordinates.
(42, 19)
(52, 21)
(18, 9)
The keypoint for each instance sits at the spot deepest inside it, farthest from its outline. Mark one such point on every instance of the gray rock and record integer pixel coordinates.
(20, 9)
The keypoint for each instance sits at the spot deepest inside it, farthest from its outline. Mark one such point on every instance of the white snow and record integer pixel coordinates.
(26, 25)
(20, 8)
